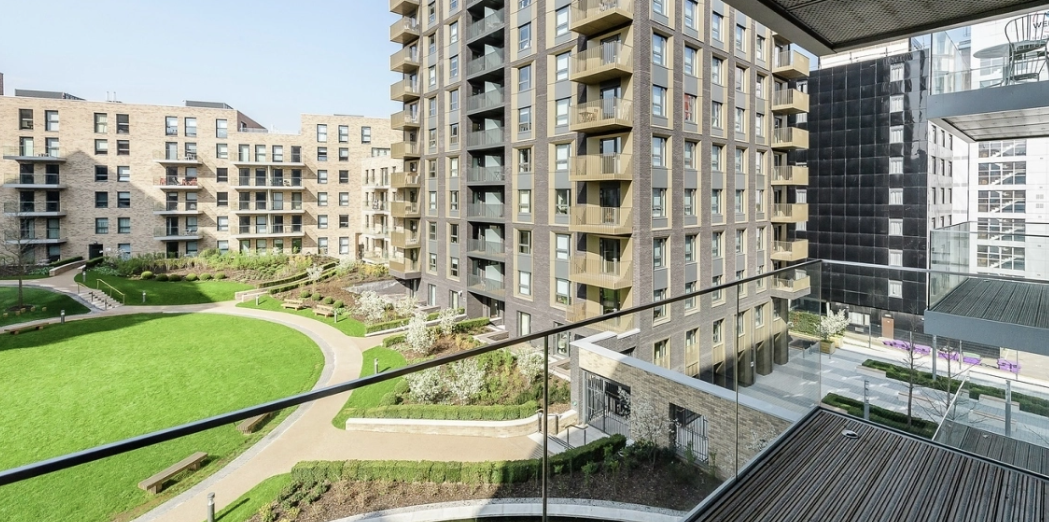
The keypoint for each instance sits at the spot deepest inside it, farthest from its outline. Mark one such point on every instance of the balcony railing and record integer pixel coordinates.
(591, 17)
(404, 209)
(485, 137)
(493, 22)
(790, 101)
(30, 236)
(174, 206)
(403, 119)
(170, 181)
(486, 210)
(798, 282)
(790, 251)
(405, 268)
(404, 179)
(603, 167)
(176, 232)
(404, 90)
(603, 62)
(486, 247)
(790, 138)
(176, 157)
(791, 65)
(496, 174)
(484, 284)
(405, 238)
(613, 274)
(790, 175)
(790, 213)
(486, 100)
(269, 182)
(602, 220)
(30, 207)
(405, 149)
(376, 206)
(602, 115)
(269, 230)
(584, 309)
(404, 30)
(30, 154)
(404, 60)
(492, 61)
(50, 181)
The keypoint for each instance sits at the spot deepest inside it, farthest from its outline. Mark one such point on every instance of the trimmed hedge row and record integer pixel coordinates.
(447, 412)
(92, 263)
(293, 278)
(66, 261)
(298, 284)
(490, 472)
(894, 419)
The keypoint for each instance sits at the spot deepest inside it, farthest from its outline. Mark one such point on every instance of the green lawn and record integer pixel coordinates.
(54, 301)
(369, 396)
(90, 382)
(251, 502)
(346, 324)
(166, 292)
(24, 278)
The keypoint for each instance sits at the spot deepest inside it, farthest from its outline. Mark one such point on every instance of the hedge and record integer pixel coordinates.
(299, 284)
(470, 324)
(392, 340)
(293, 278)
(92, 263)
(879, 415)
(65, 261)
(447, 412)
(490, 472)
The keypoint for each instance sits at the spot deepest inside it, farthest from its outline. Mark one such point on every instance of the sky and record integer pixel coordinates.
(272, 60)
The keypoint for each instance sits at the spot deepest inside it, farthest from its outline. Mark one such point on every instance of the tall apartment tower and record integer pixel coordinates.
(563, 160)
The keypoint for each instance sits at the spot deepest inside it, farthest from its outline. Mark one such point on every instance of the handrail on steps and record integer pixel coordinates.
(123, 298)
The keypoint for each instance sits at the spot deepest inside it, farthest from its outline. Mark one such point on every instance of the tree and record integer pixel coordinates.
(425, 386)
(314, 274)
(446, 321)
(832, 324)
(419, 337)
(467, 379)
(370, 306)
(530, 363)
(16, 247)
(405, 306)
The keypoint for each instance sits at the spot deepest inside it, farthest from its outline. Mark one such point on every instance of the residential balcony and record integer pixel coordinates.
(790, 138)
(486, 138)
(495, 211)
(591, 17)
(28, 154)
(404, 60)
(376, 258)
(404, 179)
(172, 208)
(263, 231)
(485, 248)
(177, 159)
(603, 62)
(269, 183)
(793, 286)
(490, 62)
(377, 232)
(613, 274)
(376, 183)
(583, 309)
(405, 209)
(493, 99)
(376, 206)
(611, 114)
(790, 251)
(486, 175)
(785, 175)
(405, 149)
(602, 167)
(404, 30)
(405, 90)
(176, 233)
(602, 220)
(274, 160)
(487, 25)
(790, 213)
(404, 7)
(790, 101)
(405, 238)
(791, 65)
(404, 120)
(405, 268)
(479, 283)
(176, 183)
(34, 182)
(52, 236)
(29, 209)
(267, 207)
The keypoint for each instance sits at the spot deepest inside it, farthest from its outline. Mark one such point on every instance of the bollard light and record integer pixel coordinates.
(211, 507)
(63, 315)
(143, 297)
(256, 301)
(376, 365)
(335, 315)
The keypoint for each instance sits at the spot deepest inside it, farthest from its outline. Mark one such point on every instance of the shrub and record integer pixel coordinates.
(174, 278)
(328, 300)
(470, 324)
(205, 277)
(92, 263)
(338, 304)
(305, 294)
(65, 261)
(389, 399)
(162, 277)
(147, 275)
(316, 296)
(220, 275)
(392, 340)
(191, 277)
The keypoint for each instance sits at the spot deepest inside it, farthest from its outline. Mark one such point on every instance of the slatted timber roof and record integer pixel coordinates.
(817, 474)
(994, 446)
(1011, 302)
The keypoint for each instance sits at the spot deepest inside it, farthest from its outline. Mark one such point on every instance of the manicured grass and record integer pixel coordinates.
(167, 292)
(369, 396)
(53, 301)
(346, 324)
(251, 502)
(24, 278)
(89, 382)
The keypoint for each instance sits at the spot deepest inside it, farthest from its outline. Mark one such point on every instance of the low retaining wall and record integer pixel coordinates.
(496, 429)
(522, 507)
(66, 267)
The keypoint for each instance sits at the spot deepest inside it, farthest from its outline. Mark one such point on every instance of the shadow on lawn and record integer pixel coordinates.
(71, 329)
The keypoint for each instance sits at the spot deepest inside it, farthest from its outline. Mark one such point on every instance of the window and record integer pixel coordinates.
(691, 57)
(759, 86)
(562, 152)
(124, 174)
(716, 21)
(717, 66)
(896, 103)
(690, 304)
(562, 292)
(690, 248)
(561, 21)
(524, 242)
(759, 316)
(741, 38)
(453, 67)
(524, 119)
(895, 165)
(123, 148)
(690, 154)
(101, 200)
(661, 349)
(659, 49)
(524, 323)
(322, 133)
(344, 177)
(123, 124)
(691, 11)
(101, 173)
(453, 200)
(759, 200)
(690, 202)
(716, 295)
(453, 266)
(659, 101)
(25, 119)
(760, 241)
(895, 227)
(715, 157)
(895, 257)
(124, 199)
(524, 37)
(322, 221)
(659, 312)
(222, 199)
(344, 154)
(453, 167)
(658, 7)
(716, 119)
(690, 109)
(659, 151)
(100, 122)
(895, 288)
(344, 199)
(659, 196)
(453, 100)
(716, 240)
(524, 78)
(895, 72)
(561, 111)
(741, 120)
(432, 265)
(453, 234)
(433, 201)
(51, 121)
(322, 153)
(562, 66)
(715, 201)
(322, 199)
(759, 48)
(562, 245)
(222, 223)
(171, 126)
(716, 332)
(895, 196)
(453, 32)
(741, 241)
(896, 134)
(524, 201)
(524, 282)
(344, 221)
(740, 201)
(101, 147)
(366, 134)
(101, 225)
(562, 201)
(322, 177)
(759, 125)
(222, 151)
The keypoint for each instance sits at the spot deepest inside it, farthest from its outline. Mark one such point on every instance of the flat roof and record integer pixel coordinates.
(816, 473)
(1012, 302)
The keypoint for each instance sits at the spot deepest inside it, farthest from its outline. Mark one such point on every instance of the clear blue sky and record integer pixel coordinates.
(273, 60)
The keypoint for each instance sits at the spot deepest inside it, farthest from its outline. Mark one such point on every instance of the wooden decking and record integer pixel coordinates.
(1011, 302)
(998, 447)
(818, 474)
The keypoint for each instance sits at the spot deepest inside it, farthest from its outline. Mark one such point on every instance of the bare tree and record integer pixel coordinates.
(16, 246)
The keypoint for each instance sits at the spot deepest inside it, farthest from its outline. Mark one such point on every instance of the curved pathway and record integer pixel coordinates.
(307, 434)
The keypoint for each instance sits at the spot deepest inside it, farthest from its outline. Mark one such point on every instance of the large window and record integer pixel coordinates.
(659, 49)
(716, 23)
(524, 37)
(659, 101)
(561, 21)
(1003, 173)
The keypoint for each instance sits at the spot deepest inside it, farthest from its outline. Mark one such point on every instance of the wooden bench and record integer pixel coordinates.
(324, 310)
(294, 304)
(16, 331)
(250, 424)
(155, 483)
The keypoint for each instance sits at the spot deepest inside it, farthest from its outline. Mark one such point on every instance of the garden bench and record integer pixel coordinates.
(16, 331)
(323, 310)
(155, 483)
(249, 424)
(294, 304)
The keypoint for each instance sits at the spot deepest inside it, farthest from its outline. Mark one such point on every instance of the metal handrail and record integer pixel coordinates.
(123, 298)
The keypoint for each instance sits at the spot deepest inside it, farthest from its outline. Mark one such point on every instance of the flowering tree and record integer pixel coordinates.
(314, 274)
(425, 386)
(370, 306)
(832, 324)
(418, 338)
(647, 424)
(405, 306)
(530, 364)
(446, 321)
(467, 380)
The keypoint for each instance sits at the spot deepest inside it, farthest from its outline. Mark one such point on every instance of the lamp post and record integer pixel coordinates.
(63, 316)
(211, 507)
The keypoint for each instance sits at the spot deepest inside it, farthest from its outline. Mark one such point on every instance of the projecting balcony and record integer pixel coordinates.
(786, 175)
(404, 120)
(267, 183)
(486, 249)
(791, 65)
(486, 211)
(377, 232)
(790, 213)
(176, 233)
(604, 62)
(488, 63)
(485, 285)
(792, 286)
(602, 220)
(602, 167)
(405, 149)
(486, 101)
(790, 101)
(267, 207)
(606, 115)
(590, 17)
(176, 183)
(27, 154)
(29, 209)
(486, 26)
(264, 231)
(176, 159)
(790, 138)
(583, 309)
(790, 251)
(34, 182)
(405, 209)
(486, 138)
(404, 179)
(174, 208)
(52, 236)
(404, 30)
(403, 7)
(405, 268)
(274, 160)
(405, 238)
(613, 274)
(486, 175)
(405, 90)
(376, 207)
(405, 60)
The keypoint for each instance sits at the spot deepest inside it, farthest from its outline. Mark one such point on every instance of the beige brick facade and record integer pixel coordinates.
(149, 178)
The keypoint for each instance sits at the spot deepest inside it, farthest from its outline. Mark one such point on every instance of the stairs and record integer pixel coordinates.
(99, 299)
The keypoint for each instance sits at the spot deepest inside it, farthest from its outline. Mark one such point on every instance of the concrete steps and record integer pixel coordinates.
(100, 300)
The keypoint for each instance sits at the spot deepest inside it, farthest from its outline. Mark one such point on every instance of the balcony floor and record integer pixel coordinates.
(994, 312)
